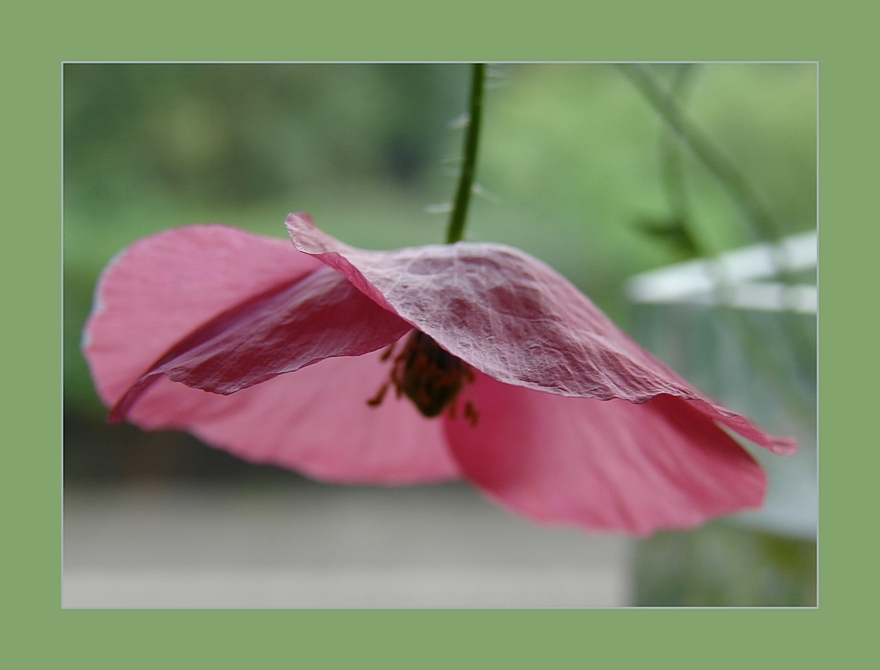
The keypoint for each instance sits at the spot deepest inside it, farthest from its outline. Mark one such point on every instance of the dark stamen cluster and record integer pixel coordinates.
(428, 375)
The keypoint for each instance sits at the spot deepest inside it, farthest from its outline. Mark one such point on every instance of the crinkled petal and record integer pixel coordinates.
(318, 316)
(601, 465)
(311, 317)
(315, 421)
(165, 288)
(514, 318)
(161, 288)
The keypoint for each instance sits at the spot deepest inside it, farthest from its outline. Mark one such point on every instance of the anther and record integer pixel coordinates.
(470, 413)
(428, 375)
(376, 400)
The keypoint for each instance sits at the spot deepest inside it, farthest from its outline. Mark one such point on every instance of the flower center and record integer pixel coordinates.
(428, 375)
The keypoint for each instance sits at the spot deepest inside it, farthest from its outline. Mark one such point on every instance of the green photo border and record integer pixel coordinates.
(38, 633)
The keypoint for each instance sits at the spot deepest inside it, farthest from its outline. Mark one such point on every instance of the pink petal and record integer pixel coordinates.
(165, 287)
(317, 316)
(513, 318)
(601, 465)
(161, 288)
(315, 421)
(309, 318)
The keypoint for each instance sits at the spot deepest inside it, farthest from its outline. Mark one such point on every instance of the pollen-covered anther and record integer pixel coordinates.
(470, 413)
(428, 375)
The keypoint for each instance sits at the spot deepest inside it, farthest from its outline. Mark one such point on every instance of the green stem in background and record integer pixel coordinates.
(706, 151)
(469, 162)
(672, 169)
(678, 228)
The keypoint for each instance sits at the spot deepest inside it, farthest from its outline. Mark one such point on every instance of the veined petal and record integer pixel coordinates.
(513, 318)
(317, 316)
(161, 288)
(601, 465)
(315, 421)
(170, 287)
(314, 315)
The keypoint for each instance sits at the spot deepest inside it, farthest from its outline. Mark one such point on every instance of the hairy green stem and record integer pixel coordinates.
(469, 162)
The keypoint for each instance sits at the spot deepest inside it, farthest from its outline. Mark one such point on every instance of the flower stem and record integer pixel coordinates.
(702, 145)
(469, 162)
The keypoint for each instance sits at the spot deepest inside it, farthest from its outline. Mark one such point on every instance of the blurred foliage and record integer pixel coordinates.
(721, 565)
(240, 134)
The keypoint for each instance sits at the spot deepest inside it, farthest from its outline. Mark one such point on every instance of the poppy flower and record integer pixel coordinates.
(424, 364)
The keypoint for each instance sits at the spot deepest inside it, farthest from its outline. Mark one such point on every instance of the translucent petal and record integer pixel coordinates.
(602, 465)
(315, 421)
(161, 288)
(317, 316)
(228, 307)
(513, 318)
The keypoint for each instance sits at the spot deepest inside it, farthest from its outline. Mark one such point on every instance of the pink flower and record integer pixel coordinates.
(502, 373)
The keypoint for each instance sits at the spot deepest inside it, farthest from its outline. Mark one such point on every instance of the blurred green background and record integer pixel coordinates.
(575, 167)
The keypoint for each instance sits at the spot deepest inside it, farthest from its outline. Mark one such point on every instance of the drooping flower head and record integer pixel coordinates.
(463, 360)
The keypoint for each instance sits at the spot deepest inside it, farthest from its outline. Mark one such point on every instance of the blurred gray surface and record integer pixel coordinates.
(318, 546)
